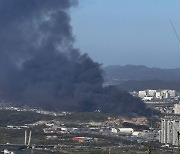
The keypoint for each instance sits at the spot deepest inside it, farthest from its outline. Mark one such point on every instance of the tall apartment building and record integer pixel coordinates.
(157, 94)
(169, 130)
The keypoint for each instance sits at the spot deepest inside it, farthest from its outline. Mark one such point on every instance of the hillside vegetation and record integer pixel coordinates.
(132, 72)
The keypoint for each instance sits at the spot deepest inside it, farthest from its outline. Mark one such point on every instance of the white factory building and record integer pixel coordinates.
(125, 131)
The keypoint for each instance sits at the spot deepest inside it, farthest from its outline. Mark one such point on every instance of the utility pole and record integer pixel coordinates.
(25, 137)
(29, 138)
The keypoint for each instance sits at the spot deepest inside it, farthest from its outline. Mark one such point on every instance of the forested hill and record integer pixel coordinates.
(131, 72)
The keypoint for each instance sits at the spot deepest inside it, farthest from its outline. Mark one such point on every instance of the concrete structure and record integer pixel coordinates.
(169, 130)
(151, 93)
(148, 98)
(126, 131)
(114, 130)
(136, 134)
(172, 93)
(149, 135)
(158, 94)
(176, 108)
(142, 94)
(166, 95)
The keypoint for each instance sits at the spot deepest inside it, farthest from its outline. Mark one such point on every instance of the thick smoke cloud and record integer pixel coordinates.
(39, 65)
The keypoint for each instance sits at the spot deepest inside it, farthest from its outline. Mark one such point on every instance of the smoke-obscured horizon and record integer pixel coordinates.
(38, 63)
(39, 66)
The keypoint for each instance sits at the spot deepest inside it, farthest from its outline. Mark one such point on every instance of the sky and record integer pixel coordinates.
(122, 32)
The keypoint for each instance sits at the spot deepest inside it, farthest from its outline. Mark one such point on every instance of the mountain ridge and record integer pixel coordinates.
(139, 72)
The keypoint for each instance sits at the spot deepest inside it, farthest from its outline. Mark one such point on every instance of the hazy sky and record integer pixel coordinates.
(128, 31)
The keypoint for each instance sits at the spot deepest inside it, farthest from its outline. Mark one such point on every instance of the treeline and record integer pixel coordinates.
(20, 118)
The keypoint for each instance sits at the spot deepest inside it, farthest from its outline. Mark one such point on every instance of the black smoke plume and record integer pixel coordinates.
(39, 65)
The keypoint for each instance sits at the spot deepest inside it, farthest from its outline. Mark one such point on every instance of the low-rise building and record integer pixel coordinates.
(126, 131)
(177, 108)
